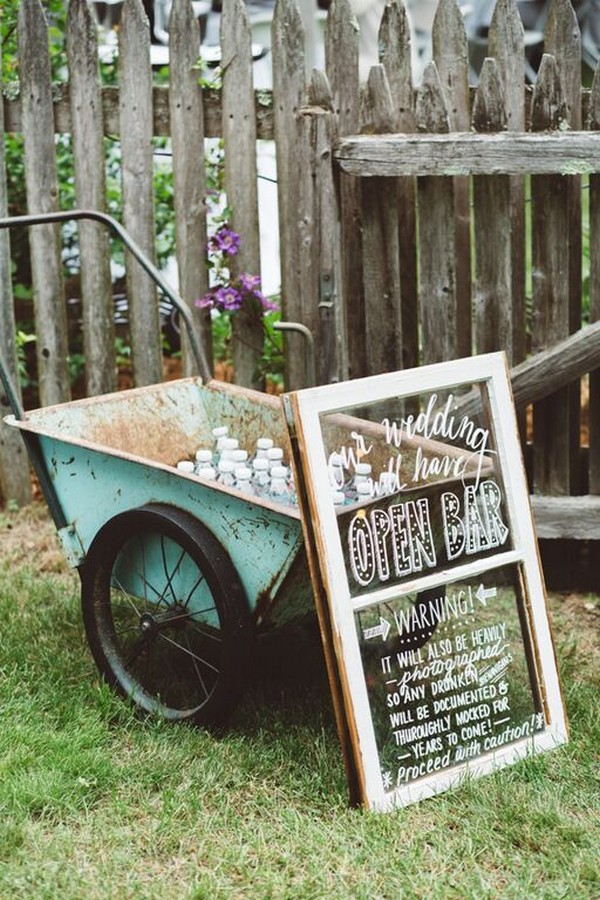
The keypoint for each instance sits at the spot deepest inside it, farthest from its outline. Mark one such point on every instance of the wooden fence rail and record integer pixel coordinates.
(466, 236)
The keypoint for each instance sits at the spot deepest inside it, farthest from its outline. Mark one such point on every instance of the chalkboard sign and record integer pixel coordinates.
(426, 575)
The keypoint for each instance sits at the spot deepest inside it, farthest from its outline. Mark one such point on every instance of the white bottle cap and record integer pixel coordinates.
(362, 469)
(207, 474)
(185, 465)
(274, 453)
(338, 497)
(243, 473)
(226, 466)
(260, 465)
(239, 456)
(335, 460)
(279, 472)
(204, 455)
(230, 444)
(221, 431)
(264, 443)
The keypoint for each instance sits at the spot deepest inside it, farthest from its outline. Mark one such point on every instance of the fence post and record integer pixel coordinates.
(451, 55)
(42, 197)
(395, 55)
(341, 65)
(186, 116)
(381, 250)
(550, 263)
(507, 47)
(90, 187)
(437, 234)
(239, 139)
(493, 251)
(138, 194)
(562, 39)
(14, 471)
(594, 243)
(289, 87)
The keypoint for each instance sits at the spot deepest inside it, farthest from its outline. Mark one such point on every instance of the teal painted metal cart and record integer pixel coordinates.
(177, 576)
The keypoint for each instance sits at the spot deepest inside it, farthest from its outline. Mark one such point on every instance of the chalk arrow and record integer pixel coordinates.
(485, 594)
(382, 630)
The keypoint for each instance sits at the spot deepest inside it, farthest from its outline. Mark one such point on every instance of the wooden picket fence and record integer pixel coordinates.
(388, 267)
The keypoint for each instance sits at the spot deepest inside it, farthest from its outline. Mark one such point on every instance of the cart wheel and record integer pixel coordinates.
(166, 615)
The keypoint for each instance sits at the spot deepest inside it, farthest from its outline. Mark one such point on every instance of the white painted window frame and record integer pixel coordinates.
(304, 408)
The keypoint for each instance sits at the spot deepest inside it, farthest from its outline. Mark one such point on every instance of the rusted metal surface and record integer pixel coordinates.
(117, 452)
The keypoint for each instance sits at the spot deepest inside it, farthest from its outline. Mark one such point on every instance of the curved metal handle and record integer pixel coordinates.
(311, 372)
(137, 252)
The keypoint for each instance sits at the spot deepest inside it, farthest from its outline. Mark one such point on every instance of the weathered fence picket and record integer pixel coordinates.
(239, 141)
(550, 264)
(186, 120)
(138, 194)
(90, 185)
(388, 283)
(14, 472)
(492, 210)
(42, 197)
(507, 47)
(562, 39)
(289, 92)
(437, 234)
(381, 251)
(395, 56)
(594, 243)
(450, 52)
(341, 63)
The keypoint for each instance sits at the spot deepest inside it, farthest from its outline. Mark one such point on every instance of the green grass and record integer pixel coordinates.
(95, 803)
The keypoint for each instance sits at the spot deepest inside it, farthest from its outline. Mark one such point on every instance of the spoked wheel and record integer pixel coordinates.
(166, 615)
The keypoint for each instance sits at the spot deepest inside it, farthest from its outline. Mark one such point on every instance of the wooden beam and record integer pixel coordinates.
(567, 518)
(562, 153)
(545, 372)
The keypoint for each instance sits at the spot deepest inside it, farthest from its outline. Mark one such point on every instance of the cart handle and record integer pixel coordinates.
(146, 264)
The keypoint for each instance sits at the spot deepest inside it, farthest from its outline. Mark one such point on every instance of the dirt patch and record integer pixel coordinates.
(28, 537)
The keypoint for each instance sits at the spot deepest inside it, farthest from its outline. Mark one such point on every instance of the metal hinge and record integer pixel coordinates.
(326, 290)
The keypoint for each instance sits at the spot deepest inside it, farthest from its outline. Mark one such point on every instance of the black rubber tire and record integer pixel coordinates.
(166, 616)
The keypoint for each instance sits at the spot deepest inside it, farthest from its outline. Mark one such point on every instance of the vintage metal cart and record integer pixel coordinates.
(177, 576)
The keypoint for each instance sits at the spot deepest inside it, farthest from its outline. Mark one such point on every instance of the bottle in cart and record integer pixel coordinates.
(263, 445)
(261, 478)
(219, 435)
(279, 489)
(275, 457)
(243, 480)
(226, 473)
(227, 448)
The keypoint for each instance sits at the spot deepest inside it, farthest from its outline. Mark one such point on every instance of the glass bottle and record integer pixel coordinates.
(243, 480)
(260, 477)
(279, 489)
(275, 457)
(263, 444)
(219, 434)
(226, 473)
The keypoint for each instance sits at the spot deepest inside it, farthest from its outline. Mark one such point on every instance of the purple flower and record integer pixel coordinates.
(228, 299)
(207, 301)
(249, 283)
(267, 305)
(225, 241)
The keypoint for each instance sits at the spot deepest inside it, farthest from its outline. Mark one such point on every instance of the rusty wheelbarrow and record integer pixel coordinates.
(177, 576)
